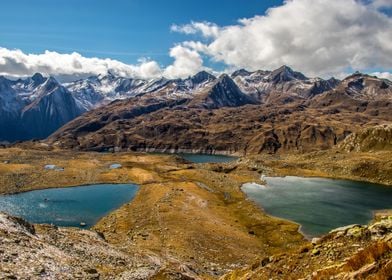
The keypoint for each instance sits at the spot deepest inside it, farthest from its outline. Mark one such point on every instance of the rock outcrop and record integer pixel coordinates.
(222, 93)
(43, 251)
(351, 252)
(377, 138)
(47, 252)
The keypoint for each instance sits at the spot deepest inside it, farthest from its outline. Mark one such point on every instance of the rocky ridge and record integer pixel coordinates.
(42, 251)
(211, 122)
(370, 139)
(245, 112)
(351, 252)
(48, 252)
(34, 107)
(51, 104)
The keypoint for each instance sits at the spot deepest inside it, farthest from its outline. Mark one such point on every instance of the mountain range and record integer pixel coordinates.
(34, 107)
(242, 112)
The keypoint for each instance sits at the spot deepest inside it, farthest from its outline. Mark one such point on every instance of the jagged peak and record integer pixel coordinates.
(37, 77)
(2, 78)
(241, 72)
(261, 72)
(5, 84)
(204, 74)
(225, 82)
(356, 75)
(51, 79)
(106, 76)
(285, 68)
(224, 92)
(110, 73)
(50, 84)
(225, 79)
(333, 79)
(285, 74)
(224, 76)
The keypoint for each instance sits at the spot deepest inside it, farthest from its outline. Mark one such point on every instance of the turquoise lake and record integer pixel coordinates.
(68, 206)
(320, 205)
(204, 158)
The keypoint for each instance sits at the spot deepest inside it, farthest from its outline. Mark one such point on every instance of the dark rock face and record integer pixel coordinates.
(48, 113)
(323, 86)
(241, 73)
(34, 107)
(356, 85)
(364, 87)
(285, 74)
(38, 79)
(223, 93)
(202, 77)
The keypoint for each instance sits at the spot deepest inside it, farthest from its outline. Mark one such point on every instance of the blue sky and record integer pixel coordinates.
(136, 38)
(122, 29)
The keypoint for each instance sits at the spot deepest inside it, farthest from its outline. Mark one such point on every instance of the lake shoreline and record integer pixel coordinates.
(78, 206)
(269, 201)
(169, 207)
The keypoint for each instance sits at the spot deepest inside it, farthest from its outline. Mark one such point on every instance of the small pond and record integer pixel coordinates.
(201, 158)
(69, 206)
(204, 158)
(320, 205)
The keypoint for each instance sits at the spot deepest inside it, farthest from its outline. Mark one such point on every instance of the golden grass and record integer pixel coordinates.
(369, 255)
(12, 167)
(171, 214)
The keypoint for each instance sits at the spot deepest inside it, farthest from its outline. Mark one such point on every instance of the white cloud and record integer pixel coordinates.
(186, 29)
(382, 3)
(15, 63)
(383, 75)
(207, 29)
(186, 62)
(317, 37)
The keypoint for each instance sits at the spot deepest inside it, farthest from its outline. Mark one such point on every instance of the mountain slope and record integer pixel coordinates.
(364, 87)
(370, 139)
(222, 93)
(283, 80)
(34, 107)
(53, 107)
(222, 119)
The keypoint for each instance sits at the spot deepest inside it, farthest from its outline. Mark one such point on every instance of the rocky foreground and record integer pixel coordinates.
(187, 221)
(47, 252)
(351, 252)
